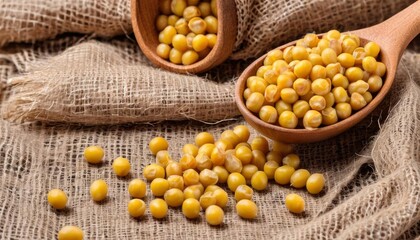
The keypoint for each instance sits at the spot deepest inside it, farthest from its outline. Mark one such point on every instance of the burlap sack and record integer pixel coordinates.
(108, 83)
(373, 170)
(372, 181)
(29, 21)
(265, 24)
(55, 91)
(262, 24)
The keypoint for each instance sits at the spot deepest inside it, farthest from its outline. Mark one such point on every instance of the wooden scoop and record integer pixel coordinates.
(392, 35)
(143, 17)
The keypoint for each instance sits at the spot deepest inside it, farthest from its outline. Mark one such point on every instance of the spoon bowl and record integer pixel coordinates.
(392, 35)
(143, 18)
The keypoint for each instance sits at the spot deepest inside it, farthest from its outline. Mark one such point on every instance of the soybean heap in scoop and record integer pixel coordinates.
(317, 82)
(187, 30)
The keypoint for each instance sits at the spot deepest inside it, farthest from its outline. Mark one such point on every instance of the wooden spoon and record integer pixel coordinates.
(143, 17)
(392, 35)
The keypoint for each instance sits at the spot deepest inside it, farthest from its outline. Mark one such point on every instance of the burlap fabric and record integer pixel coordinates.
(112, 83)
(262, 24)
(52, 91)
(373, 170)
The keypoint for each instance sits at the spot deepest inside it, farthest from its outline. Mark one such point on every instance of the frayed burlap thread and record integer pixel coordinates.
(6, 69)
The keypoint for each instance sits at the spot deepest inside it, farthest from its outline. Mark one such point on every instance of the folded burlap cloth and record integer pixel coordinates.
(71, 63)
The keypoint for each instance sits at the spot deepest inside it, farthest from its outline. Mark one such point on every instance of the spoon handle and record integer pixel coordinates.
(397, 32)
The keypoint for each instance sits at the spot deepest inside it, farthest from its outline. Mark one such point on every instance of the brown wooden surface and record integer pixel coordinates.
(393, 36)
(143, 16)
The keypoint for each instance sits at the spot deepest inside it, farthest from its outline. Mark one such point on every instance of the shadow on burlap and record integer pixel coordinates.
(372, 170)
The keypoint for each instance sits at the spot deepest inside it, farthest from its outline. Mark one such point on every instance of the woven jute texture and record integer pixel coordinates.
(29, 21)
(265, 24)
(262, 24)
(113, 83)
(56, 87)
(372, 180)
